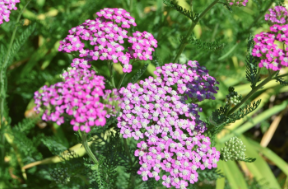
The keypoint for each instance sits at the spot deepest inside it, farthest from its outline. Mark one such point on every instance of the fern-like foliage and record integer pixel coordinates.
(151, 183)
(242, 112)
(94, 179)
(219, 115)
(53, 145)
(110, 155)
(213, 46)
(280, 80)
(155, 61)
(18, 43)
(109, 124)
(174, 4)
(209, 174)
(251, 64)
(25, 125)
(219, 118)
(25, 145)
(139, 73)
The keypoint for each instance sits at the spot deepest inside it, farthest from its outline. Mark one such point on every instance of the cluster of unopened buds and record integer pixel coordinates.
(5, 9)
(60, 175)
(106, 35)
(237, 2)
(151, 111)
(277, 15)
(234, 150)
(233, 98)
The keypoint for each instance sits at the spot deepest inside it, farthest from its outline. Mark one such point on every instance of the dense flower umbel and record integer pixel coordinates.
(272, 57)
(5, 7)
(77, 97)
(237, 2)
(152, 111)
(106, 35)
(277, 15)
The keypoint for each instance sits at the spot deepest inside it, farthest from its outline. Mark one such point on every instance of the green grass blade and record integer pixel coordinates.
(281, 164)
(259, 168)
(264, 115)
(220, 183)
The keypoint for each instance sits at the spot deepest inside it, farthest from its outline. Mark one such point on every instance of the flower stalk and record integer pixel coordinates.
(194, 23)
(83, 136)
(111, 73)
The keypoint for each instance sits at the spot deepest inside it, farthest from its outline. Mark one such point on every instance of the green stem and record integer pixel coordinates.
(259, 16)
(111, 73)
(87, 148)
(122, 79)
(279, 76)
(269, 78)
(161, 26)
(194, 23)
(228, 53)
(131, 6)
(3, 80)
(214, 31)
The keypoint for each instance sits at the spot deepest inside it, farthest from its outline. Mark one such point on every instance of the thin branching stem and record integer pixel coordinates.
(194, 23)
(124, 75)
(279, 76)
(110, 66)
(122, 79)
(269, 78)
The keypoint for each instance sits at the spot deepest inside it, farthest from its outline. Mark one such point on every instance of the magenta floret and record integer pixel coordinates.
(237, 2)
(272, 57)
(5, 9)
(277, 15)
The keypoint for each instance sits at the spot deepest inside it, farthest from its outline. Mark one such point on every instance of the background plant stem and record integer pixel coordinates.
(110, 66)
(194, 23)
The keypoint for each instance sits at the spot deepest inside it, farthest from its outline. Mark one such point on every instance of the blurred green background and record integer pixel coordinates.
(38, 62)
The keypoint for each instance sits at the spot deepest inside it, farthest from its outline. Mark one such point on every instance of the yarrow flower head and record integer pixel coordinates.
(151, 111)
(237, 2)
(106, 35)
(5, 9)
(78, 97)
(272, 56)
(277, 15)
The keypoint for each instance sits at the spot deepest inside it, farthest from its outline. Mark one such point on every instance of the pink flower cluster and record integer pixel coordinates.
(106, 35)
(5, 7)
(237, 2)
(194, 81)
(78, 97)
(153, 111)
(277, 15)
(272, 57)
